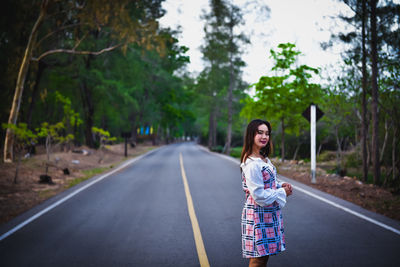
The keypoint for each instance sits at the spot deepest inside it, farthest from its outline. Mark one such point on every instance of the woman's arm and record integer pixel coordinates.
(255, 183)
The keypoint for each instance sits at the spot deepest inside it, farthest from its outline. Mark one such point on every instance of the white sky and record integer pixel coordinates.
(306, 23)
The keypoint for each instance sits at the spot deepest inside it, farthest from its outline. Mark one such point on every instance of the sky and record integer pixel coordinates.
(305, 23)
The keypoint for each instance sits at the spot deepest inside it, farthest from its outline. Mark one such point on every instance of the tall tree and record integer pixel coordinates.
(234, 43)
(222, 51)
(374, 94)
(283, 97)
(9, 140)
(364, 126)
(374, 50)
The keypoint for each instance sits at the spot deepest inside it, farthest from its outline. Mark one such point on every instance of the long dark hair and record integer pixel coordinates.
(248, 141)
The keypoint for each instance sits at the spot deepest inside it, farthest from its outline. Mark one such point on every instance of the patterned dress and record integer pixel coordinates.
(262, 226)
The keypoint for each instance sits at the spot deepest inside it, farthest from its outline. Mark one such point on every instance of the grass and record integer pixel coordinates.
(88, 174)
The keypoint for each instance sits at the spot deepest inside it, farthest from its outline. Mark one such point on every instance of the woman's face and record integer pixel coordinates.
(262, 137)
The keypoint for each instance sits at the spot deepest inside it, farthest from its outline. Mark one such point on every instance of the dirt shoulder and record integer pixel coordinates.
(28, 192)
(368, 196)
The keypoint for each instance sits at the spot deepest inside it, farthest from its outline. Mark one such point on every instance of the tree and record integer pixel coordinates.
(23, 138)
(283, 97)
(104, 138)
(235, 62)
(221, 76)
(123, 22)
(53, 135)
(71, 119)
(373, 50)
(364, 126)
(374, 93)
(340, 118)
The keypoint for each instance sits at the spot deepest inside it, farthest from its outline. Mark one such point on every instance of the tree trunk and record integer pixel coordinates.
(364, 95)
(339, 161)
(230, 111)
(88, 107)
(374, 106)
(297, 150)
(19, 88)
(48, 151)
(319, 149)
(89, 113)
(394, 153)
(76, 143)
(384, 141)
(283, 139)
(210, 129)
(132, 118)
(368, 153)
(230, 92)
(41, 68)
(214, 129)
(17, 168)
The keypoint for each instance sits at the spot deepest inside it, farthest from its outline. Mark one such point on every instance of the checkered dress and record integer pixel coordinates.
(262, 227)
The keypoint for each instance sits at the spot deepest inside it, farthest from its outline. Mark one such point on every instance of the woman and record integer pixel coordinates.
(262, 225)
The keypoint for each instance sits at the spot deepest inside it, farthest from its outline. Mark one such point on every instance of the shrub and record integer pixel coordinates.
(352, 160)
(217, 149)
(326, 156)
(236, 152)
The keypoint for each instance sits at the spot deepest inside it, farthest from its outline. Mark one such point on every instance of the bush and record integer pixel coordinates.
(352, 160)
(326, 156)
(236, 152)
(217, 149)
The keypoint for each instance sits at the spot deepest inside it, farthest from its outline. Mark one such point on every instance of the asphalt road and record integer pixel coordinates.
(139, 217)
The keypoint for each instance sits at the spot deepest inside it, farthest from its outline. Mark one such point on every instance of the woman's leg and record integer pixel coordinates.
(258, 262)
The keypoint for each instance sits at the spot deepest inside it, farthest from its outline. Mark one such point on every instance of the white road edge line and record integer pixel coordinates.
(385, 226)
(52, 206)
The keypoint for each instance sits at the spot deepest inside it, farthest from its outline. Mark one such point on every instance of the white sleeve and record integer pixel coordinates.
(255, 184)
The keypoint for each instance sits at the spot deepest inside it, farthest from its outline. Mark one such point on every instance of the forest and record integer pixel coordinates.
(85, 72)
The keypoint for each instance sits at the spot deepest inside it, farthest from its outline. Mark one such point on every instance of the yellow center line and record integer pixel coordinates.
(201, 251)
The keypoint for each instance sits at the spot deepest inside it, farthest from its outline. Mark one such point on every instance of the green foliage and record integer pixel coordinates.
(281, 98)
(221, 77)
(353, 160)
(218, 149)
(103, 135)
(22, 134)
(23, 137)
(326, 156)
(53, 133)
(71, 118)
(236, 152)
(134, 86)
(284, 96)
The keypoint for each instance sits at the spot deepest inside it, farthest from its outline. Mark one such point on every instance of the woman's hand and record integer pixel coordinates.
(288, 188)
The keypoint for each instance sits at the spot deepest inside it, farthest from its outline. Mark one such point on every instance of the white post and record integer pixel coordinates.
(313, 141)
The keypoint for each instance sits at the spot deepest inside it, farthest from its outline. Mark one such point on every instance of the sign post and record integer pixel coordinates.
(313, 114)
(313, 141)
(126, 135)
